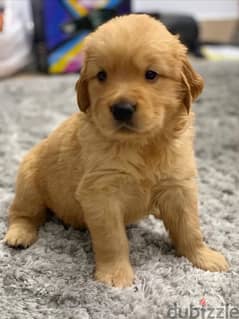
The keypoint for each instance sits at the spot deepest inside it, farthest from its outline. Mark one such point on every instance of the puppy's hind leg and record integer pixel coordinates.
(26, 213)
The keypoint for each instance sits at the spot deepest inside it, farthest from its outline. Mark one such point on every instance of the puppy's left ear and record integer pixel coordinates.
(193, 83)
(82, 90)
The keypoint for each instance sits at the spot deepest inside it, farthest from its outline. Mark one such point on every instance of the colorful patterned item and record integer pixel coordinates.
(64, 25)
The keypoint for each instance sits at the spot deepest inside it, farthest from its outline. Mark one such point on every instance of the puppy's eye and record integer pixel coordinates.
(151, 75)
(101, 76)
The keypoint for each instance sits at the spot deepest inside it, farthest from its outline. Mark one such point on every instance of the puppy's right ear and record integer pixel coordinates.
(82, 90)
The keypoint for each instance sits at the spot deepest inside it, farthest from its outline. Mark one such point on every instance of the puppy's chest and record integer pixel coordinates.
(144, 169)
(133, 177)
(129, 175)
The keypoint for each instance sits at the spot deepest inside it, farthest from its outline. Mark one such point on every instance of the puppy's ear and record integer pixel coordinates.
(193, 83)
(82, 90)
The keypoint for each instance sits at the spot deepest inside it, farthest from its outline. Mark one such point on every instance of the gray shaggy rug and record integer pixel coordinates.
(53, 278)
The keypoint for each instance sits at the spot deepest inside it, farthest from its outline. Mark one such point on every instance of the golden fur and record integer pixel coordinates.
(93, 172)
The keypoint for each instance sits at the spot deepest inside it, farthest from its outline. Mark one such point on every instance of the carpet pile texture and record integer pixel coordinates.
(53, 278)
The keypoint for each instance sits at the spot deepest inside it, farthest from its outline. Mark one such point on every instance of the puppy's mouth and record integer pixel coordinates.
(131, 129)
(126, 128)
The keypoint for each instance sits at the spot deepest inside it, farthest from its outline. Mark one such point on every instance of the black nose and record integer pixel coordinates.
(123, 111)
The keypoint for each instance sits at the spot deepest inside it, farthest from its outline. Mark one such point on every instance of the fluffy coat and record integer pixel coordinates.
(96, 173)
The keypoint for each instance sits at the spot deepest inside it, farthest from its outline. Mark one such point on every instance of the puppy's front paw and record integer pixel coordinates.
(208, 259)
(118, 275)
(18, 236)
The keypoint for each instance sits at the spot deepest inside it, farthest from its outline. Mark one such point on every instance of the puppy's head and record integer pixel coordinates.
(136, 79)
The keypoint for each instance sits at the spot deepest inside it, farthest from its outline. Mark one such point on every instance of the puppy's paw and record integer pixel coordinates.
(118, 275)
(20, 237)
(208, 259)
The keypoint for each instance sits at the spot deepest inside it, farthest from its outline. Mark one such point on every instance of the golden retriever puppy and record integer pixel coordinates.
(127, 154)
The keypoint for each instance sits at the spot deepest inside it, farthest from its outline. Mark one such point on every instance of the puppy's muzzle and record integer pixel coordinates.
(123, 111)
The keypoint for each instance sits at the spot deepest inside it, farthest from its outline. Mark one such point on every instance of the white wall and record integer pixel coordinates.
(201, 9)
